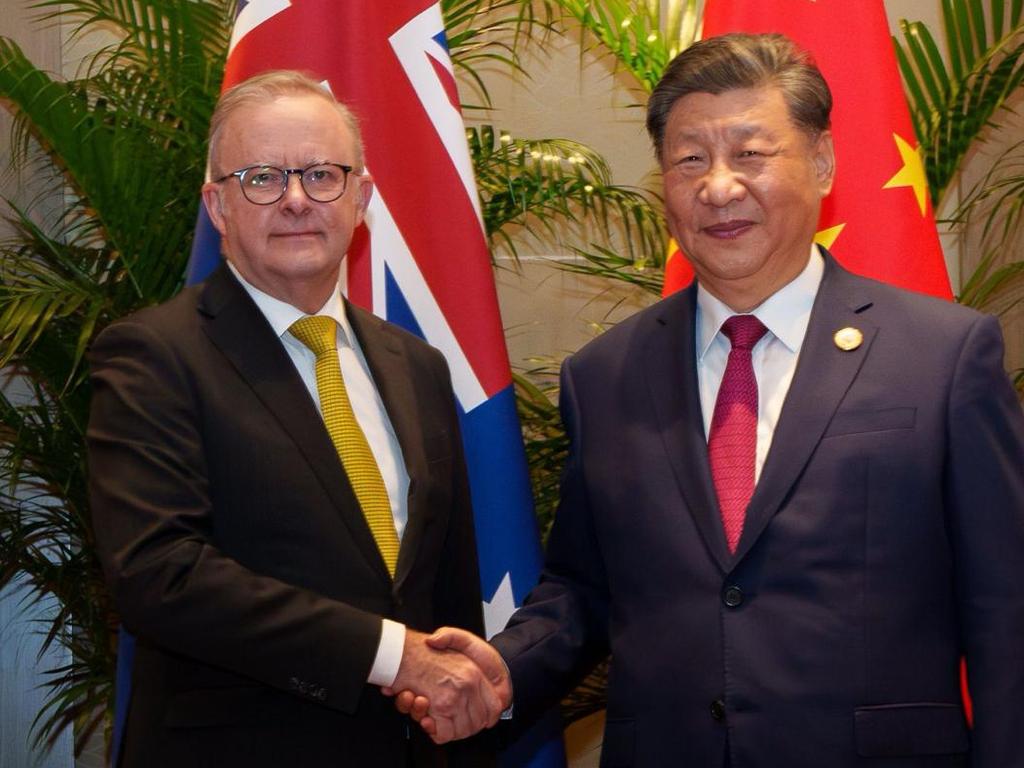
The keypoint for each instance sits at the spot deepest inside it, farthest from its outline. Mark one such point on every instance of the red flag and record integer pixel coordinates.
(878, 221)
(678, 271)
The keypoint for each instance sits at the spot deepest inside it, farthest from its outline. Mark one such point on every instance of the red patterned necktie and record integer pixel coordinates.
(732, 442)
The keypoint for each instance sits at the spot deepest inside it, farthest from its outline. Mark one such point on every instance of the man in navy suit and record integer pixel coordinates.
(786, 555)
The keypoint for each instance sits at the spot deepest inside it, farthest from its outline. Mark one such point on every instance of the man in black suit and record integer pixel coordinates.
(269, 605)
(794, 497)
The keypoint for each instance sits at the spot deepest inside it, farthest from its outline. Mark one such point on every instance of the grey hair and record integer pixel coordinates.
(737, 60)
(266, 87)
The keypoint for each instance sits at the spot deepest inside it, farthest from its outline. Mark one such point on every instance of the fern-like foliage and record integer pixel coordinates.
(642, 35)
(953, 103)
(483, 32)
(124, 145)
(559, 188)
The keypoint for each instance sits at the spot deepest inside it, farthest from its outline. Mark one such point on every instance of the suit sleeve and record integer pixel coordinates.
(457, 599)
(152, 513)
(561, 631)
(985, 492)
(457, 591)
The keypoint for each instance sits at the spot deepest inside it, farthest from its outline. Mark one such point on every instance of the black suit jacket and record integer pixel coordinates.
(235, 549)
(884, 540)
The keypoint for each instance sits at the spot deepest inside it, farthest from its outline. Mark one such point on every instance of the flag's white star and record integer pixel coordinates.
(500, 608)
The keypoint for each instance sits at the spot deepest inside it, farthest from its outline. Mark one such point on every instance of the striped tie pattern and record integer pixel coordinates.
(318, 333)
(732, 440)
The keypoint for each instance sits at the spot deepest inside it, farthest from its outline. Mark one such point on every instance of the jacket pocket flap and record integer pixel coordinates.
(905, 730)
(858, 422)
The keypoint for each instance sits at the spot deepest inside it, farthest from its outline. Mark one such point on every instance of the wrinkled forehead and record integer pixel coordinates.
(299, 129)
(737, 114)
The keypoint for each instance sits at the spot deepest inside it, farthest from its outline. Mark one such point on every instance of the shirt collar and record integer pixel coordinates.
(785, 313)
(281, 314)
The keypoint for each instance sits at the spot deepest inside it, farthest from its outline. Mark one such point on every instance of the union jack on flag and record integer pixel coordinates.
(422, 260)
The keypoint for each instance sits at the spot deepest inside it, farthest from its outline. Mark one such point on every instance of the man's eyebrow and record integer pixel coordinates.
(737, 131)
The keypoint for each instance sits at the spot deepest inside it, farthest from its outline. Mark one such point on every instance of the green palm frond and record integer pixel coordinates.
(648, 275)
(546, 187)
(45, 280)
(544, 437)
(643, 35)
(124, 148)
(46, 538)
(491, 31)
(994, 207)
(952, 104)
(124, 142)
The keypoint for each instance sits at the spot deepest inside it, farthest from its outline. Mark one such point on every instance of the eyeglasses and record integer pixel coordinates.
(266, 184)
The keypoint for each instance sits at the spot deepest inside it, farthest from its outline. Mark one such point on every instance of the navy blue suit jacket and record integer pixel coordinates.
(885, 540)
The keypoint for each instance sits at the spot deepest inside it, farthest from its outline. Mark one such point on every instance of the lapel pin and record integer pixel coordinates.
(848, 339)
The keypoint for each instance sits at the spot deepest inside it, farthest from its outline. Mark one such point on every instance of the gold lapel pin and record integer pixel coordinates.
(848, 339)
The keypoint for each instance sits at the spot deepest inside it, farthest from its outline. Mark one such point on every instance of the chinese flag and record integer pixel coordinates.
(878, 221)
(678, 271)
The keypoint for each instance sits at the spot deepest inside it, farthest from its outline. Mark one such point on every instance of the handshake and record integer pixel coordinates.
(451, 682)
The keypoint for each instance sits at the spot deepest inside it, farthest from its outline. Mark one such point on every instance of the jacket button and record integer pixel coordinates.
(718, 710)
(733, 596)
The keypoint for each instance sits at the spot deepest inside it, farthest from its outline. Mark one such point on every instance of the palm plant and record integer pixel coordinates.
(955, 107)
(124, 142)
(557, 188)
(643, 36)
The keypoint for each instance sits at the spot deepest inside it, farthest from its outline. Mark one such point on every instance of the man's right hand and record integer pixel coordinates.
(453, 682)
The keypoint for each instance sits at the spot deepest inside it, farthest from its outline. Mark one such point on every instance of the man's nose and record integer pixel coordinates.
(721, 185)
(295, 196)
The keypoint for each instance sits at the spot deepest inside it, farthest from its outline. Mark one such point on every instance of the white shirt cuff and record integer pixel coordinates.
(389, 654)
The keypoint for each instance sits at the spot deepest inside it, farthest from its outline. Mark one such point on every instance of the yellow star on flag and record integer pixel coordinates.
(911, 174)
(826, 237)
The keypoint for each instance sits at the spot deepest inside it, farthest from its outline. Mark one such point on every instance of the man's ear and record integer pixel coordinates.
(824, 155)
(365, 192)
(214, 202)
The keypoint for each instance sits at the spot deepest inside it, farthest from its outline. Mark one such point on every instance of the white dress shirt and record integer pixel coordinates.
(785, 314)
(373, 418)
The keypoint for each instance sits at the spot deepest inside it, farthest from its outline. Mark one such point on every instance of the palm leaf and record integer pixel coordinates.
(126, 139)
(952, 105)
(993, 208)
(490, 31)
(545, 188)
(648, 275)
(547, 445)
(634, 33)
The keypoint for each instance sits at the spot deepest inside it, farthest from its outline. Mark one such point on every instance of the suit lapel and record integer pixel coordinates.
(823, 375)
(671, 375)
(395, 382)
(237, 327)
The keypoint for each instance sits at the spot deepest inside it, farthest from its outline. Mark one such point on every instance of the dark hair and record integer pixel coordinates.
(732, 61)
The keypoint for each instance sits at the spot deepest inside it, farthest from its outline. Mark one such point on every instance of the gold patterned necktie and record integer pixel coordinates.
(318, 333)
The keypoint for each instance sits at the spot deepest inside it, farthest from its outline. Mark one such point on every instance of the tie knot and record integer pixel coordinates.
(316, 332)
(744, 331)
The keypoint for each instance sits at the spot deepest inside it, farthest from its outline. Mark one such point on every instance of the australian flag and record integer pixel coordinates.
(422, 259)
